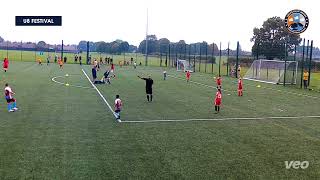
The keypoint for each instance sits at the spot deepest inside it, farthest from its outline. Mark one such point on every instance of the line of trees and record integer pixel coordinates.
(163, 45)
(115, 47)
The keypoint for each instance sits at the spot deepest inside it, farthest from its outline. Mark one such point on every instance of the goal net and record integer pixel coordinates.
(273, 71)
(184, 65)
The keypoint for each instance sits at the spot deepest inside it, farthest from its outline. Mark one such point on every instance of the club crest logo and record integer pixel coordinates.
(296, 21)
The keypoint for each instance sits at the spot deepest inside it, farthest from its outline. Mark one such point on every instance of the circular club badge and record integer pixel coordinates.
(296, 21)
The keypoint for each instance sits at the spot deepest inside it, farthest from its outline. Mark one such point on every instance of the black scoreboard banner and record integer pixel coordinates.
(38, 20)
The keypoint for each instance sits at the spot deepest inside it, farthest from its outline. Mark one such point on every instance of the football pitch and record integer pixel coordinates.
(69, 132)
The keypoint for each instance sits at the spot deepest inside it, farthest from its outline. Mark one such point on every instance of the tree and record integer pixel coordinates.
(101, 47)
(1, 39)
(124, 47)
(163, 44)
(270, 39)
(42, 45)
(133, 48)
(115, 46)
(181, 47)
(153, 44)
(82, 46)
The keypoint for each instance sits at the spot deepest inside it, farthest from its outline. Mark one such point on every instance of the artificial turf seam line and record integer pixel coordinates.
(102, 97)
(222, 119)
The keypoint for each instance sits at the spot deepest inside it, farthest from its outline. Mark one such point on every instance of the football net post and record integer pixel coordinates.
(273, 71)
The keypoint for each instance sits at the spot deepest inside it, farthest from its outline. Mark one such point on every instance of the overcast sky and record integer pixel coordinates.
(190, 20)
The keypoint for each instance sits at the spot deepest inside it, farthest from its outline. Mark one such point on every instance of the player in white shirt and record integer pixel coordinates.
(135, 64)
(164, 75)
(12, 104)
(117, 107)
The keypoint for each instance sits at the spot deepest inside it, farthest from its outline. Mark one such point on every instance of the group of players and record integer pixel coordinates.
(218, 97)
(106, 79)
(8, 92)
(149, 84)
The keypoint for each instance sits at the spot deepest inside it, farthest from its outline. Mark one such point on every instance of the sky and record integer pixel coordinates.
(190, 20)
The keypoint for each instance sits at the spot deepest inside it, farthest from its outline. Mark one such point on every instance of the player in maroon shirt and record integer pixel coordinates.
(218, 101)
(5, 64)
(240, 87)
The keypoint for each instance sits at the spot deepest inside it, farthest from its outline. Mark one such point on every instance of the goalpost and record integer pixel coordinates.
(273, 71)
(184, 65)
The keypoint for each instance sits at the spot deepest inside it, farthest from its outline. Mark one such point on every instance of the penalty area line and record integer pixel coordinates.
(194, 82)
(102, 97)
(223, 119)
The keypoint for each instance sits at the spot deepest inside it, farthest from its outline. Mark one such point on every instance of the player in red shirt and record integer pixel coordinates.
(112, 70)
(219, 82)
(188, 74)
(117, 107)
(5, 64)
(240, 87)
(217, 101)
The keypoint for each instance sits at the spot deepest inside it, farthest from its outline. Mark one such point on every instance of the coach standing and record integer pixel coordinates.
(149, 83)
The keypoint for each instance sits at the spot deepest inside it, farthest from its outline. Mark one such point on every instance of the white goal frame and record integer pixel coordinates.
(281, 74)
(186, 65)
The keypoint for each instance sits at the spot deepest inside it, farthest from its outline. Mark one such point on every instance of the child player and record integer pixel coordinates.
(219, 82)
(117, 107)
(164, 75)
(12, 105)
(112, 70)
(60, 62)
(217, 101)
(188, 74)
(106, 77)
(39, 61)
(240, 87)
(5, 64)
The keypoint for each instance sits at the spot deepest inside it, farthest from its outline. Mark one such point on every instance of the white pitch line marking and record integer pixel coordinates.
(58, 82)
(194, 82)
(102, 97)
(288, 92)
(222, 119)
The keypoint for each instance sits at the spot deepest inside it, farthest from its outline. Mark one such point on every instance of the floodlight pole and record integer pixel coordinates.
(62, 50)
(220, 53)
(294, 58)
(237, 61)
(146, 60)
(307, 51)
(302, 62)
(166, 63)
(200, 57)
(194, 58)
(185, 51)
(88, 49)
(21, 50)
(189, 54)
(169, 49)
(285, 64)
(176, 61)
(35, 51)
(7, 49)
(310, 61)
(212, 58)
(205, 67)
(228, 58)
